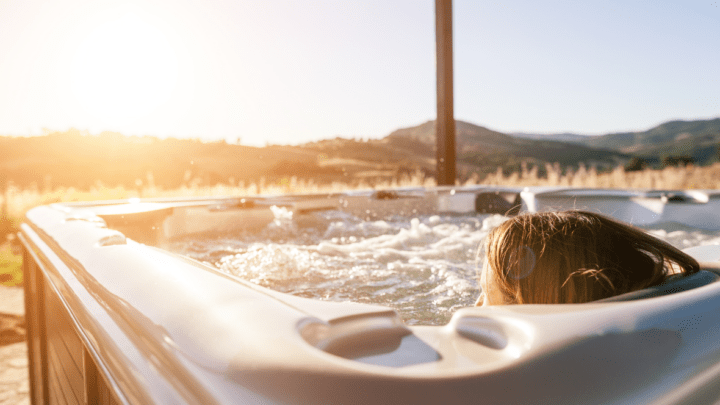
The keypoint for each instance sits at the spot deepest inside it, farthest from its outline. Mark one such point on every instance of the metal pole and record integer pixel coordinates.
(445, 123)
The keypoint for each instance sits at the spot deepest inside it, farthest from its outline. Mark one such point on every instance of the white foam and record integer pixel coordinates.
(425, 267)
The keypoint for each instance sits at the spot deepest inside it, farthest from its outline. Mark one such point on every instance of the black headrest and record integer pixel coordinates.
(673, 284)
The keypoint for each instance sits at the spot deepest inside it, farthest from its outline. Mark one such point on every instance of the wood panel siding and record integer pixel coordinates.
(65, 351)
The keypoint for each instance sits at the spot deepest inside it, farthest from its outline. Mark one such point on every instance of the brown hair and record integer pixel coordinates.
(576, 256)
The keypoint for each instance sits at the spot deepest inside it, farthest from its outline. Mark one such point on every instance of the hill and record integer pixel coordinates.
(73, 159)
(562, 137)
(663, 135)
(698, 139)
(486, 150)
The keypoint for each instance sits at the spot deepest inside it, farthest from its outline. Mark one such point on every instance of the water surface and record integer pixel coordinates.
(425, 266)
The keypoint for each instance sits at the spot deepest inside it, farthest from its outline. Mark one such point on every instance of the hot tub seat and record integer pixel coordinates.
(674, 284)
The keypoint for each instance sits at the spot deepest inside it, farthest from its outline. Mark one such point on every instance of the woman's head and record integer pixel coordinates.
(573, 257)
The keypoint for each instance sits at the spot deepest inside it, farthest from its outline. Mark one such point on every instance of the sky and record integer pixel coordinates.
(288, 72)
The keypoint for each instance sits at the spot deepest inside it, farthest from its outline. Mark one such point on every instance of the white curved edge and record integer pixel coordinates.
(164, 321)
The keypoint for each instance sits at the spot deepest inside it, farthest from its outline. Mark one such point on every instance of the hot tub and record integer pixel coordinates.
(114, 317)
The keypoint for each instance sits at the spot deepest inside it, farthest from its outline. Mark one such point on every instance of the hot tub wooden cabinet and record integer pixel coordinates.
(113, 318)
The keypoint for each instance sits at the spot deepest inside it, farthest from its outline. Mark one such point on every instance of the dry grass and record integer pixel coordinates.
(690, 177)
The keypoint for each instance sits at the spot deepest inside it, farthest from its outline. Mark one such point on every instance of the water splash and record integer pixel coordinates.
(425, 267)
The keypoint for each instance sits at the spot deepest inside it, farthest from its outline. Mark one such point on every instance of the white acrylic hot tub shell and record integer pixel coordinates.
(160, 328)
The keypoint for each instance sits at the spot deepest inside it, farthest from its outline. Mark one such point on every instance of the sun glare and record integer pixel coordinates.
(123, 70)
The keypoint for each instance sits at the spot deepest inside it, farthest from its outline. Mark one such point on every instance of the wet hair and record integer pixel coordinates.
(575, 257)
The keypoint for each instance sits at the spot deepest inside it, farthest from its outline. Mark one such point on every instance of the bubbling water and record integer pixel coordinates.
(426, 267)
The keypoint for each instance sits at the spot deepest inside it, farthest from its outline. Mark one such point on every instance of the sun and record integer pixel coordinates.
(124, 69)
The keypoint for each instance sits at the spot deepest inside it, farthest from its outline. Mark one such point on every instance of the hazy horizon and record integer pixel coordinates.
(283, 72)
(48, 131)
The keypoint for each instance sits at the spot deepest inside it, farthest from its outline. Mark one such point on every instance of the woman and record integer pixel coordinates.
(573, 257)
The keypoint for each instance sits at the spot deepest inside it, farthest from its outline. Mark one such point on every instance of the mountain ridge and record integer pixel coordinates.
(482, 146)
(78, 159)
(672, 135)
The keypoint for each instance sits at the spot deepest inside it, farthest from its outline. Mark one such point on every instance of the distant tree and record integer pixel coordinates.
(687, 160)
(683, 160)
(636, 164)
